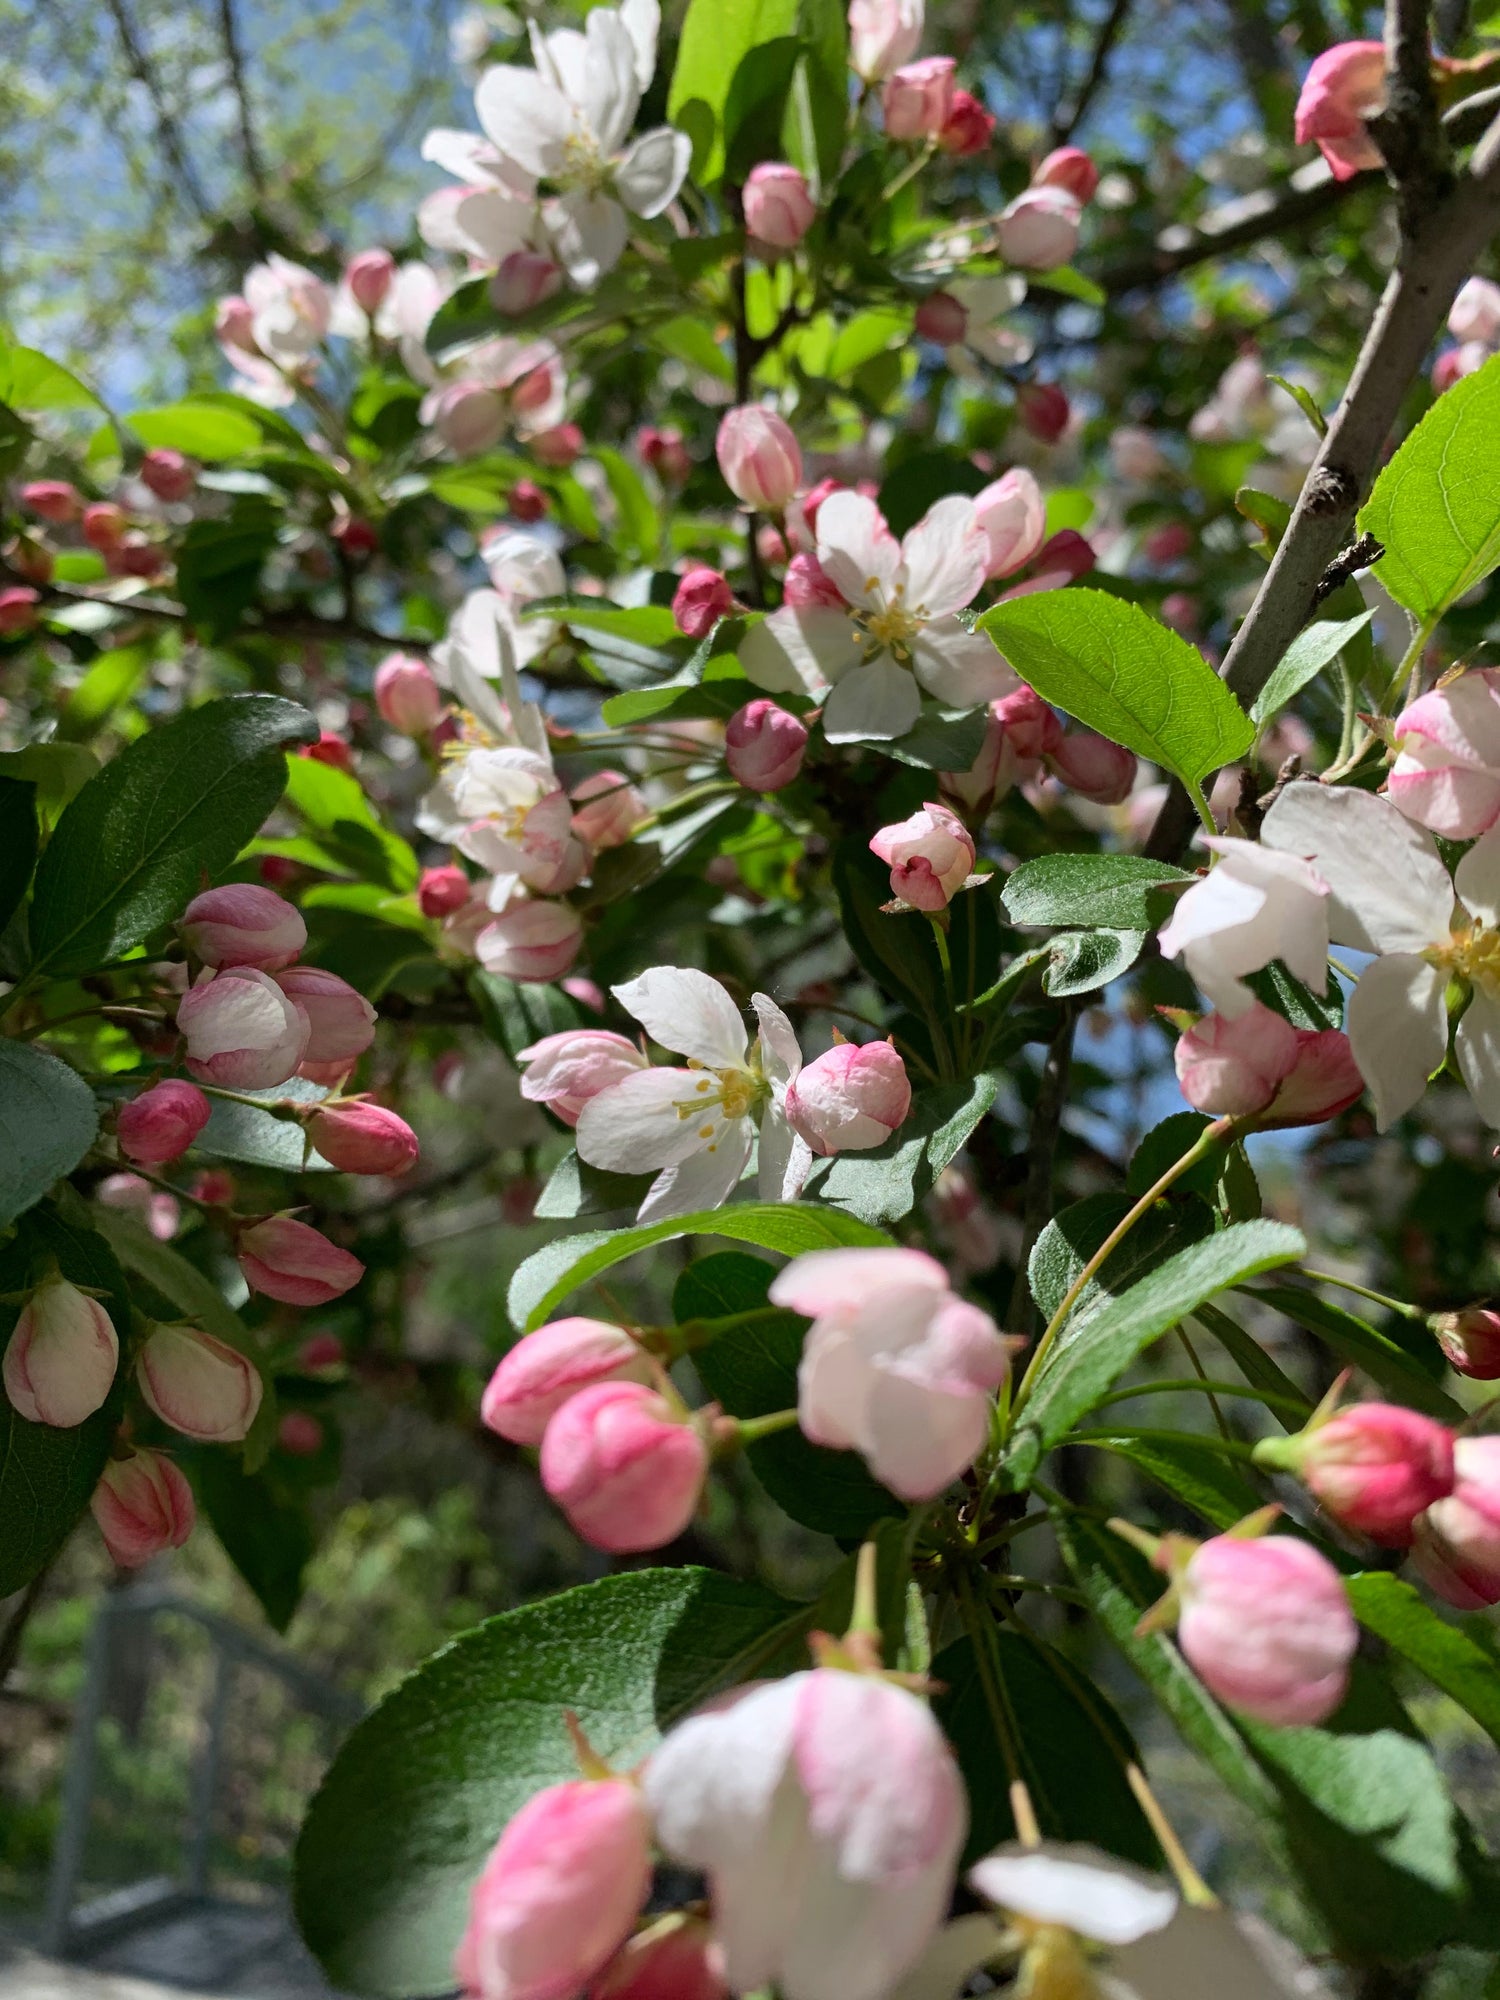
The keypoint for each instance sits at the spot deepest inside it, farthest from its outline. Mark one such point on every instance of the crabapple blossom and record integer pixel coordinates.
(764, 745)
(850, 1099)
(407, 695)
(968, 128)
(674, 1958)
(524, 280)
(806, 583)
(1446, 775)
(942, 319)
(54, 500)
(564, 1071)
(1020, 729)
(341, 1022)
(883, 34)
(1039, 230)
(1095, 768)
(362, 1138)
(1045, 411)
(607, 808)
(812, 500)
(241, 1030)
(291, 310)
(1374, 1467)
(168, 474)
(369, 275)
(1470, 1341)
(896, 635)
(1068, 167)
(930, 856)
(544, 1368)
(759, 457)
(61, 1358)
(828, 1813)
(159, 1213)
(1475, 313)
(198, 1384)
(1233, 1067)
(18, 609)
(694, 1128)
(1135, 456)
(559, 447)
(665, 453)
(527, 501)
(917, 98)
(1013, 515)
(533, 941)
(1456, 1550)
(441, 891)
(702, 598)
(1345, 86)
(1075, 1888)
(624, 1465)
(894, 1366)
(162, 1122)
(779, 208)
(299, 1433)
(1256, 905)
(522, 567)
(291, 1261)
(142, 1507)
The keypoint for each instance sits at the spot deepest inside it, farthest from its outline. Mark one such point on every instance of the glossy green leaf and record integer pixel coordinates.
(942, 739)
(220, 560)
(48, 1121)
(887, 1182)
(266, 1533)
(18, 841)
(33, 381)
(514, 1015)
(202, 430)
(637, 529)
(1192, 1469)
(575, 1189)
(818, 116)
(1396, 1612)
(1257, 1367)
(1076, 1232)
(1314, 648)
(1120, 891)
(1119, 672)
(257, 1138)
(716, 37)
(335, 806)
(1363, 1346)
(1082, 961)
(110, 681)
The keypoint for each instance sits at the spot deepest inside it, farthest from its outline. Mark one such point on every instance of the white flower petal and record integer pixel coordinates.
(687, 1012)
(1220, 1954)
(1477, 879)
(1080, 1888)
(652, 170)
(958, 1951)
(874, 704)
(705, 1179)
(800, 651)
(526, 117)
(1390, 889)
(785, 1158)
(1477, 1046)
(841, 1281)
(637, 1126)
(610, 93)
(588, 234)
(959, 667)
(642, 20)
(945, 557)
(857, 550)
(465, 155)
(711, 1786)
(490, 224)
(1398, 1030)
(781, 1056)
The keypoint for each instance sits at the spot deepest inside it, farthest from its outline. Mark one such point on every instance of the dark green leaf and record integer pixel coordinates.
(1123, 892)
(943, 740)
(515, 1015)
(914, 485)
(897, 952)
(266, 1534)
(887, 1182)
(1192, 1469)
(259, 1138)
(1163, 1146)
(756, 106)
(575, 1188)
(1257, 1367)
(18, 839)
(1354, 1340)
(1394, 1611)
(219, 564)
(1081, 961)
(1287, 996)
(1072, 1237)
(1314, 647)
(334, 804)
(48, 1121)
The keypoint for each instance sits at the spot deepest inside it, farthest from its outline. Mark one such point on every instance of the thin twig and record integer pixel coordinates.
(1070, 113)
(144, 71)
(229, 30)
(1407, 130)
(1041, 1154)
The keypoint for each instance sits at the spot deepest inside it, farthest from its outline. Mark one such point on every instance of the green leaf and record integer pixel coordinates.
(1071, 1238)
(46, 1474)
(646, 625)
(514, 1015)
(1192, 1469)
(334, 804)
(1165, 1144)
(48, 1121)
(110, 681)
(58, 770)
(1257, 1367)
(171, 811)
(1309, 653)
(1394, 1611)
(260, 1139)
(33, 381)
(219, 563)
(575, 1188)
(752, 1371)
(1072, 284)
(1305, 402)
(1436, 504)
(897, 952)
(549, 1275)
(942, 739)
(1119, 672)
(637, 530)
(1268, 513)
(18, 841)
(1080, 961)
(422, 1789)
(820, 97)
(756, 106)
(1124, 892)
(915, 484)
(716, 37)
(266, 1534)
(202, 430)
(1354, 1340)
(1285, 995)
(887, 1182)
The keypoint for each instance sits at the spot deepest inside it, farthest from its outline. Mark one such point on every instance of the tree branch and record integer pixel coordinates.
(1408, 132)
(144, 72)
(1070, 114)
(229, 30)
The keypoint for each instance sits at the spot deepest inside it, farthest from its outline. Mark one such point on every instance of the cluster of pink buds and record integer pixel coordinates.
(107, 527)
(1025, 738)
(1039, 230)
(923, 105)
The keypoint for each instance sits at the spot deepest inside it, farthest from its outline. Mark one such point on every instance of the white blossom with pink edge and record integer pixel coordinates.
(1447, 770)
(1257, 904)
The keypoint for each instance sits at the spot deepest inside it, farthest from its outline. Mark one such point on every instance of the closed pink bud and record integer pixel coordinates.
(968, 128)
(1169, 543)
(299, 1434)
(807, 582)
(1039, 230)
(103, 525)
(1456, 1551)
(18, 609)
(369, 276)
(564, 1071)
(930, 856)
(526, 501)
(197, 1384)
(356, 536)
(1234, 1068)
(341, 1022)
(363, 1139)
(321, 1351)
(1095, 768)
(559, 447)
(1030, 724)
(1000, 763)
(883, 34)
(1071, 169)
(1044, 410)
(525, 280)
(162, 1122)
(1447, 770)
(1013, 515)
(234, 325)
(624, 1468)
(770, 545)
(243, 924)
(1267, 1628)
(54, 500)
(850, 1099)
(142, 1506)
(917, 98)
(1374, 1467)
(544, 1369)
(441, 891)
(607, 808)
(60, 1362)
(1456, 362)
(676, 1958)
(214, 1186)
(764, 746)
(168, 474)
(1182, 611)
(1343, 87)
(407, 695)
(1471, 1341)
(759, 457)
(1324, 1080)
(1474, 314)
(559, 1894)
(942, 319)
(330, 749)
(665, 453)
(291, 1261)
(533, 942)
(469, 417)
(702, 598)
(242, 1031)
(779, 210)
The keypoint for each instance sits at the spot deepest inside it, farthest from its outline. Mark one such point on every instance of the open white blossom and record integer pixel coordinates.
(502, 761)
(1254, 906)
(694, 1127)
(895, 635)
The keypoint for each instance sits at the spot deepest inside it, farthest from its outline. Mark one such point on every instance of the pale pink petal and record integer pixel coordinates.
(706, 1178)
(635, 1126)
(830, 1281)
(527, 118)
(945, 558)
(800, 651)
(856, 548)
(961, 668)
(1398, 1029)
(1477, 1046)
(1390, 890)
(1477, 879)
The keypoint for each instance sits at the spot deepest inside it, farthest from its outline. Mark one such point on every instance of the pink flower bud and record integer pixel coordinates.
(1374, 1467)
(1071, 169)
(407, 695)
(162, 1122)
(1094, 767)
(1456, 1551)
(559, 1894)
(369, 276)
(559, 447)
(321, 1351)
(930, 855)
(214, 1186)
(60, 1362)
(1323, 1081)
(850, 1099)
(341, 1022)
(54, 500)
(665, 453)
(1044, 410)
(103, 525)
(330, 749)
(525, 280)
(941, 319)
(18, 604)
(1447, 770)
(441, 891)
(587, 992)
(918, 97)
(143, 1506)
(779, 210)
(1267, 1628)
(968, 128)
(759, 457)
(1343, 87)
(813, 499)
(544, 1369)
(168, 474)
(137, 555)
(526, 501)
(1473, 316)
(363, 1139)
(703, 597)
(469, 417)
(770, 545)
(999, 764)
(623, 1467)
(533, 942)
(764, 746)
(243, 924)
(607, 808)
(676, 1958)
(564, 1071)
(1013, 515)
(1030, 725)
(883, 34)
(356, 537)
(1182, 611)
(197, 1384)
(1168, 543)
(291, 1261)
(299, 1434)
(242, 1031)
(1456, 362)
(1039, 230)
(234, 325)
(806, 582)
(1234, 1068)
(1471, 1341)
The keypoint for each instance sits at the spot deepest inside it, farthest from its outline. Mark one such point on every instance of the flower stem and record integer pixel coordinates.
(1364, 1292)
(980, 1627)
(1194, 1889)
(750, 1430)
(1200, 806)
